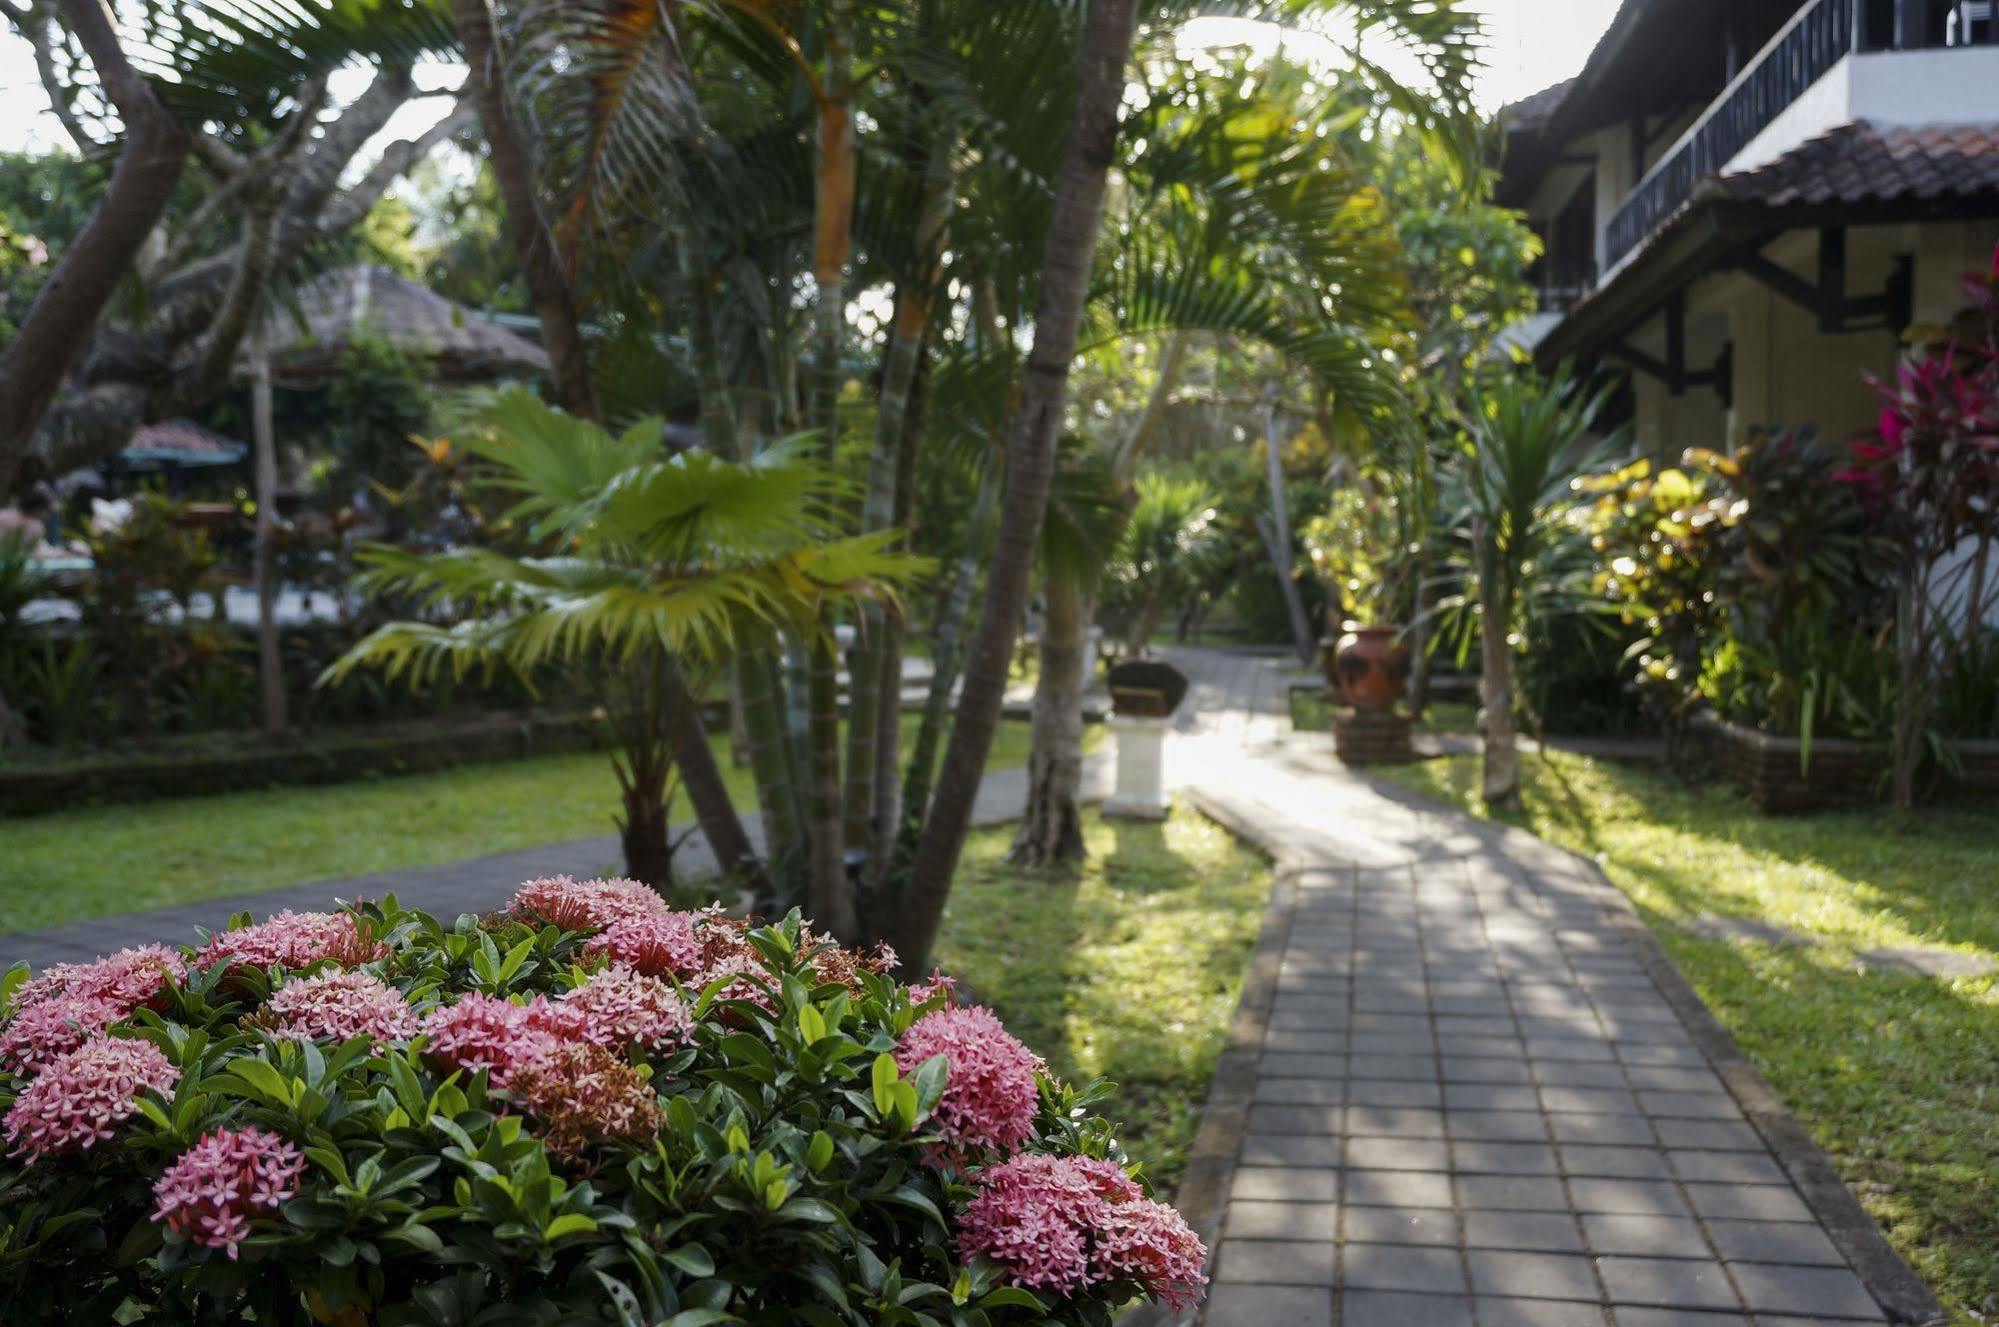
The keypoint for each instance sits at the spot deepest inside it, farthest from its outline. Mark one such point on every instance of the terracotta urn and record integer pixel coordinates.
(1369, 666)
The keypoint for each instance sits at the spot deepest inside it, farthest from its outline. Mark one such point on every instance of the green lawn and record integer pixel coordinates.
(104, 860)
(1128, 970)
(1897, 1076)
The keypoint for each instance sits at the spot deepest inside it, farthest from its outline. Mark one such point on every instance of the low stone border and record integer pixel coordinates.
(1211, 1160)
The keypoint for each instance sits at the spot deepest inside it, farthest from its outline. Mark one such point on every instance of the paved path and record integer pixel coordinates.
(1466, 1088)
(477, 885)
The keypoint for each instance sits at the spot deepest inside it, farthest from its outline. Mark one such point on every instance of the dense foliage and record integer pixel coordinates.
(584, 1108)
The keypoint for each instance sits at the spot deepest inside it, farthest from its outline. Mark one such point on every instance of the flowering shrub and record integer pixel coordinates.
(583, 1108)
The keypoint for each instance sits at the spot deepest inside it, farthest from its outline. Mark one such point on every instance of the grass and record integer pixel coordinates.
(1129, 969)
(99, 861)
(1896, 1076)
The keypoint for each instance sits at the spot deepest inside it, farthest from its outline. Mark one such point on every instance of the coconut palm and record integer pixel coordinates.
(655, 569)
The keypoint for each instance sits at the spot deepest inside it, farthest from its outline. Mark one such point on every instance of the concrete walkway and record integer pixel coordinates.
(1465, 1086)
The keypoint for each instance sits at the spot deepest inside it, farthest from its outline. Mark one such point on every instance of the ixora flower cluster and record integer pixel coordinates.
(588, 1105)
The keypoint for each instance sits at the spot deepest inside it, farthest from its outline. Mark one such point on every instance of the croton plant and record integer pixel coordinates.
(585, 1108)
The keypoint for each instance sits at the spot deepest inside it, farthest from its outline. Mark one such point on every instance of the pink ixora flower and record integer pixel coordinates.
(295, 940)
(923, 992)
(229, 1177)
(582, 1096)
(990, 1097)
(1064, 1224)
(44, 1031)
(130, 977)
(489, 1033)
(83, 1096)
(334, 1006)
(584, 905)
(660, 944)
(618, 1008)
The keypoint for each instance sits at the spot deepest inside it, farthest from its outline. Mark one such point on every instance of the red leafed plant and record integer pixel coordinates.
(1930, 474)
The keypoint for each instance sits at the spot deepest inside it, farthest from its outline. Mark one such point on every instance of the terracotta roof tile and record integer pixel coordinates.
(1861, 163)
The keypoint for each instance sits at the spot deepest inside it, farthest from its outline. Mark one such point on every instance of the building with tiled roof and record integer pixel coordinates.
(1747, 202)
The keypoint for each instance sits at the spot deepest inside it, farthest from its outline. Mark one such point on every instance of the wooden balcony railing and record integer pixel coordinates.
(1822, 34)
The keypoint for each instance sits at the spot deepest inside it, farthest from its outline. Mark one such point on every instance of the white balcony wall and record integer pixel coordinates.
(1887, 89)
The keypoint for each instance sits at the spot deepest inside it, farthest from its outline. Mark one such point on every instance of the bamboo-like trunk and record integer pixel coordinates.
(888, 720)
(270, 656)
(770, 760)
(904, 356)
(1500, 778)
(1065, 283)
(948, 635)
(1051, 828)
(833, 895)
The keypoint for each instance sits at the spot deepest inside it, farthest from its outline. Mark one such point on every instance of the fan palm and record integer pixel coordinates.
(1529, 438)
(655, 568)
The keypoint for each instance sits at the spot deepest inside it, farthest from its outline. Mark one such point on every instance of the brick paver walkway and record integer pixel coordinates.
(1461, 1093)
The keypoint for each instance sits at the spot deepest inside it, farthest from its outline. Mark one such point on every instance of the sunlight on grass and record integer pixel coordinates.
(1129, 970)
(1897, 1076)
(99, 861)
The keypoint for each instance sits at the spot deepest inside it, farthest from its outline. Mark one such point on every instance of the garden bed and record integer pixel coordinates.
(185, 769)
(1776, 775)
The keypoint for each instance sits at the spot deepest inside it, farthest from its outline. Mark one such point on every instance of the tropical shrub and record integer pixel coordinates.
(1361, 548)
(585, 1108)
(1930, 477)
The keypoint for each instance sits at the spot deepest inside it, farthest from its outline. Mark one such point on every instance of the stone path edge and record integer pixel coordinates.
(1903, 1295)
(1211, 1160)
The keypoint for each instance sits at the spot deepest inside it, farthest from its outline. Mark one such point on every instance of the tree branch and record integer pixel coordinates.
(42, 33)
(396, 161)
(60, 321)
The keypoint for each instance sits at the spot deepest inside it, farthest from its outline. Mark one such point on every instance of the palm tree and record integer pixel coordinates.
(1164, 550)
(657, 569)
(1529, 438)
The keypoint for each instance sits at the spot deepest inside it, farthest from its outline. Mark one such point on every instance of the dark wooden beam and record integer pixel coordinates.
(1676, 342)
(1832, 277)
(1912, 25)
(1780, 279)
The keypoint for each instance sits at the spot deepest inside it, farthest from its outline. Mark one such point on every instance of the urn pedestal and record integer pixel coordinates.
(1141, 769)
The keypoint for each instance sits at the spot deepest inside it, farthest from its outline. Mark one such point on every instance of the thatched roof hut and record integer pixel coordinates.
(346, 305)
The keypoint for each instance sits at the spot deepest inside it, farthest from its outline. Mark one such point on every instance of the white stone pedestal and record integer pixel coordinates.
(1141, 769)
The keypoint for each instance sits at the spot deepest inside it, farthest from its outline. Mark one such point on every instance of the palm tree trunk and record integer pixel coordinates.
(1065, 284)
(548, 283)
(948, 633)
(1051, 829)
(713, 807)
(1500, 781)
(94, 264)
(900, 363)
(830, 892)
(888, 719)
(1283, 552)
